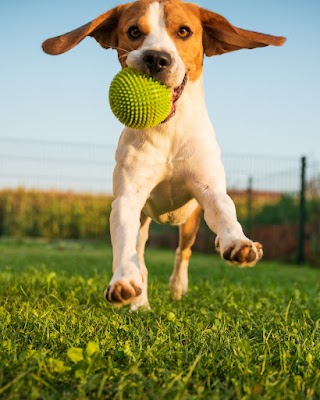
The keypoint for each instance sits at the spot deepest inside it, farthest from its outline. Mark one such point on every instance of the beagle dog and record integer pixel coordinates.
(173, 172)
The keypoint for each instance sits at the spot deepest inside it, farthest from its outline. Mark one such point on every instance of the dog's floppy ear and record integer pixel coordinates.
(220, 36)
(103, 29)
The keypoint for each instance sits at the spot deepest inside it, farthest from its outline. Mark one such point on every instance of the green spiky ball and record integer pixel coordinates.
(139, 101)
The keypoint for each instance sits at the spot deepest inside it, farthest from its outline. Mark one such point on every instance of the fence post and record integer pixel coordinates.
(249, 207)
(302, 212)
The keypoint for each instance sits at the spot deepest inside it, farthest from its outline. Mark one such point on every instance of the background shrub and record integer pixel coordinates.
(53, 214)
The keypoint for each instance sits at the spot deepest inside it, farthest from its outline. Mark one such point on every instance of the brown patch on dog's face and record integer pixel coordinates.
(184, 27)
(134, 17)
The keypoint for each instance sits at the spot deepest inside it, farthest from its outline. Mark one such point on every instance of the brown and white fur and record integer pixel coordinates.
(172, 172)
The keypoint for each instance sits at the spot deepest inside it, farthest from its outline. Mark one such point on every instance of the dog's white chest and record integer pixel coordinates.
(170, 202)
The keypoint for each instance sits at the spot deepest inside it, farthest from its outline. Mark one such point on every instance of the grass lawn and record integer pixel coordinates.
(238, 334)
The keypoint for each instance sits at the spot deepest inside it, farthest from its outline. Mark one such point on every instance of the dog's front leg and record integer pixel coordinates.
(220, 216)
(129, 280)
(234, 246)
(140, 167)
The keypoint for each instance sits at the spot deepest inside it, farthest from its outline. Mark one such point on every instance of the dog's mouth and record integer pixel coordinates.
(176, 93)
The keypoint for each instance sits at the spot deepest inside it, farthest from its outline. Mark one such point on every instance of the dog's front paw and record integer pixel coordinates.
(124, 290)
(244, 253)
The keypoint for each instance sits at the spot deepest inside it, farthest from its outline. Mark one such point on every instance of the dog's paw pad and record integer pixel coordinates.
(122, 292)
(243, 253)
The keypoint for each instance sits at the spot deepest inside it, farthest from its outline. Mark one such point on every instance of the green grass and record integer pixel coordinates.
(238, 334)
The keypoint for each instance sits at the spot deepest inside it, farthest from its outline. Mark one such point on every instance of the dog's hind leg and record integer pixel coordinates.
(142, 300)
(187, 236)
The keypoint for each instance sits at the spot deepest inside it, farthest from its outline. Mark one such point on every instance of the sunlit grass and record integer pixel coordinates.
(249, 334)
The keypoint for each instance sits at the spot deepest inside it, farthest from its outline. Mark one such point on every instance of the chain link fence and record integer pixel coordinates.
(277, 198)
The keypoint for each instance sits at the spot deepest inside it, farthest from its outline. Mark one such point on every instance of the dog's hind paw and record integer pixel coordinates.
(122, 291)
(178, 286)
(244, 253)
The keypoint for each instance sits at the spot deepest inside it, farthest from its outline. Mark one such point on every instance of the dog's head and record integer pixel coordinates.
(163, 38)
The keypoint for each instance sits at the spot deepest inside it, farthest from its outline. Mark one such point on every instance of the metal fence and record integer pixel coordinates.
(80, 167)
(277, 198)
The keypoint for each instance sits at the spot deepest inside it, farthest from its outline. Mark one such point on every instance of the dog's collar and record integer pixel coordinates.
(177, 92)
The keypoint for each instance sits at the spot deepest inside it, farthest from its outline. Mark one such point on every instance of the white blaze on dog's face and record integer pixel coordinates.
(162, 40)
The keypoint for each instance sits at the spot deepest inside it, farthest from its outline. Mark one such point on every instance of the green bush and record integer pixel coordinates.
(285, 211)
(53, 214)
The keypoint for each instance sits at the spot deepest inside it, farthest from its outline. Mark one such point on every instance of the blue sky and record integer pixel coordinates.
(264, 101)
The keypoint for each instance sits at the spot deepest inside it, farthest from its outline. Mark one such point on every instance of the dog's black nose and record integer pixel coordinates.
(156, 61)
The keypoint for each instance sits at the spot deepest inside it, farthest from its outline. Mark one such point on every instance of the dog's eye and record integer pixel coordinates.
(134, 32)
(184, 32)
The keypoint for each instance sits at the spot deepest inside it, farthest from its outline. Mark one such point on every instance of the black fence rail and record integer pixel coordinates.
(277, 198)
